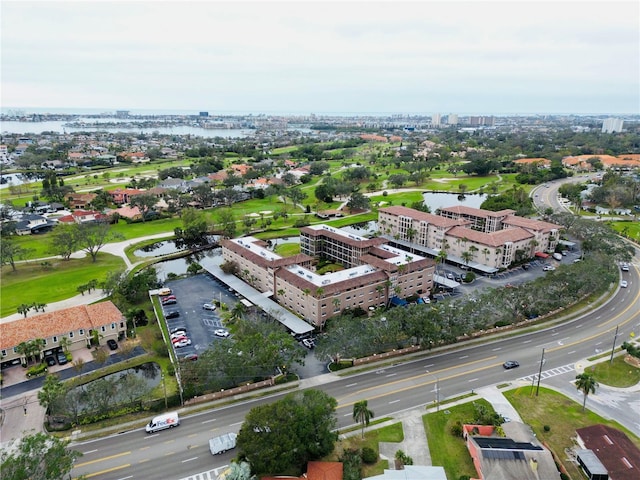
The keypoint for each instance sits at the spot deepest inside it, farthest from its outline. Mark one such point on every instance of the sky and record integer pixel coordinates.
(398, 57)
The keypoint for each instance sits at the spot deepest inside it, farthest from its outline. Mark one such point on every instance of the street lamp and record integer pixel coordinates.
(437, 390)
(164, 386)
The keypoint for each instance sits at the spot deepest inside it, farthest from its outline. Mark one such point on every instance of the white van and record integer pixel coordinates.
(557, 256)
(168, 420)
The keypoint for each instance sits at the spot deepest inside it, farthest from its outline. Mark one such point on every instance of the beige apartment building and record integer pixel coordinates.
(373, 272)
(484, 240)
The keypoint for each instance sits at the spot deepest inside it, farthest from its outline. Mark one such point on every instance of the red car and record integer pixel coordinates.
(167, 298)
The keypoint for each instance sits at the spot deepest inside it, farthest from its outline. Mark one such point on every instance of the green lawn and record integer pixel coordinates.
(619, 374)
(33, 282)
(446, 450)
(287, 249)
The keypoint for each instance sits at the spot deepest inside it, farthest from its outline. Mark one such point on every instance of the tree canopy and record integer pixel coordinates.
(281, 437)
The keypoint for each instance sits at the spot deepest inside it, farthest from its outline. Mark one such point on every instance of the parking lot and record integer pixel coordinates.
(191, 294)
(512, 277)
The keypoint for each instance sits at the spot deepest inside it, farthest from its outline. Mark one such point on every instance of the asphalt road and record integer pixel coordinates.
(182, 451)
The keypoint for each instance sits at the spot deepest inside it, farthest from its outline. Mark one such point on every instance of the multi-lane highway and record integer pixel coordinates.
(179, 452)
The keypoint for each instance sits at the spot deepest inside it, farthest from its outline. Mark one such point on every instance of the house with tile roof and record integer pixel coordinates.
(80, 200)
(78, 324)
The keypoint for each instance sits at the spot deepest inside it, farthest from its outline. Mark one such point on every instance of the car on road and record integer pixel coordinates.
(182, 343)
(174, 314)
(61, 358)
(624, 267)
(209, 306)
(509, 364)
(624, 284)
(50, 360)
(221, 333)
(112, 344)
(548, 268)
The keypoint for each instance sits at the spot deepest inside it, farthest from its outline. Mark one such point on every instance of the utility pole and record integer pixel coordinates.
(613, 348)
(540, 372)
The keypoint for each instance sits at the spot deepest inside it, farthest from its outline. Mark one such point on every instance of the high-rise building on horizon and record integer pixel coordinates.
(452, 119)
(435, 119)
(612, 125)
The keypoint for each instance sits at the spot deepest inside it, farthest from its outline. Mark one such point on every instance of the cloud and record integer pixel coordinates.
(212, 54)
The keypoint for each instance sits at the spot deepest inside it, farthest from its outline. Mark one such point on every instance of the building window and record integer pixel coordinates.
(113, 326)
(70, 334)
(15, 349)
(81, 332)
(4, 353)
(103, 329)
(121, 324)
(55, 339)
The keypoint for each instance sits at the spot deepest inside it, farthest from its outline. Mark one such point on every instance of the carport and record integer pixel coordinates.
(284, 316)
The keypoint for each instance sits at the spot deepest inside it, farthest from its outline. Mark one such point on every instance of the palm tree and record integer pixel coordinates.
(467, 257)
(362, 414)
(441, 257)
(587, 384)
(65, 343)
(411, 233)
(485, 252)
(336, 303)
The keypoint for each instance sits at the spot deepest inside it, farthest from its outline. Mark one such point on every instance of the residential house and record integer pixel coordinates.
(412, 472)
(83, 216)
(132, 213)
(80, 200)
(121, 196)
(518, 456)
(100, 321)
(32, 223)
(611, 448)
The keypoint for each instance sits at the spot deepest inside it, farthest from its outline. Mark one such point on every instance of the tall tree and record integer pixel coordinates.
(38, 456)
(63, 240)
(145, 202)
(587, 384)
(362, 414)
(93, 236)
(51, 394)
(283, 436)
(11, 252)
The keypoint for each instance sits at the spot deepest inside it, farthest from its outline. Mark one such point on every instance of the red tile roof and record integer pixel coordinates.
(60, 322)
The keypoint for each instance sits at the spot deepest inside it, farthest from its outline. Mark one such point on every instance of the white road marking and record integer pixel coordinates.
(189, 459)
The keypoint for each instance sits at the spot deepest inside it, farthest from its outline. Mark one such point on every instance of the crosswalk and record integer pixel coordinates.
(208, 475)
(550, 373)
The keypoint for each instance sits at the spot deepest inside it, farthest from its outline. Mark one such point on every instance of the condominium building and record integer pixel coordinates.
(368, 272)
(612, 125)
(482, 239)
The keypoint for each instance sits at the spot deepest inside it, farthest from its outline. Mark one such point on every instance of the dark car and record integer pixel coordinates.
(113, 345)
(169, 302)
(61, 357)
(508, 365)
(169, 315)
(50, 360)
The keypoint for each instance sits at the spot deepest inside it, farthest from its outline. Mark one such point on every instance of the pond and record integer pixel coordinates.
(147, 377)
(179, 266)
(436, 200)
(168, 247)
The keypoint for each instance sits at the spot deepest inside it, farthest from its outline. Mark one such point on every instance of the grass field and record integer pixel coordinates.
(619, 374)
(34, 282)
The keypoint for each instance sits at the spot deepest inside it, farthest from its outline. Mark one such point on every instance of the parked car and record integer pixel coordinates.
(509, 364)
(181, 330)
(168, 297)
(174, 314)
(164, 292)
(179, 334)
(190, 357)
(624, 284)
(178, 338)
(221, 333)
(113, 345)
(61, 358)
(209, 306)
(50, 360)
(548, 268)
(308, 342)
(169, 302)
(182, 343)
